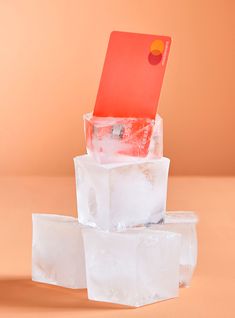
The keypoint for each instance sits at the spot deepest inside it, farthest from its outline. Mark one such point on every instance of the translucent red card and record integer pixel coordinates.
(132, 75)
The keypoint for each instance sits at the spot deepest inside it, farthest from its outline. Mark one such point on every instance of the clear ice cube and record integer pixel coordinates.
(135, 267)
(185, 224)
(156, 142)
(110, 140)
(116, 196)
(57, 251)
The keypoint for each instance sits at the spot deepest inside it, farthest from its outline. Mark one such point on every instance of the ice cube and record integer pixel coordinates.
(57, 251)
(156, 141)
(116, 196)
(134, 267)
(110, 140)
(185, 224)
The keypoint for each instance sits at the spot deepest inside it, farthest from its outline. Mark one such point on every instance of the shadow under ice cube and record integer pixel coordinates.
(134, 268)
(116, 196)
(57, 251)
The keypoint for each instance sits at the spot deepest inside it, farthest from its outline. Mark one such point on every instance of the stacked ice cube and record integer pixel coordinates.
(123, 247)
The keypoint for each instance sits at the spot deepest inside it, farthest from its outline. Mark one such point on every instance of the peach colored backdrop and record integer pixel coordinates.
(51, 56)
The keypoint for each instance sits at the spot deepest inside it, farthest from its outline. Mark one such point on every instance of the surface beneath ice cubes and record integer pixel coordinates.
(132, 268)
(57, 251)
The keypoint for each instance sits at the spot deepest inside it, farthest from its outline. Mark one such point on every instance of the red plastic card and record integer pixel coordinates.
(132, 75)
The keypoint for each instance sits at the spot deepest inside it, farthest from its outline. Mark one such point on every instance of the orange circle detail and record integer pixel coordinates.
(157, 47)
(156, 52)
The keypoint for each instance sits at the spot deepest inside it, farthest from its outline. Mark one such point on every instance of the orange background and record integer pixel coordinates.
(51, 57)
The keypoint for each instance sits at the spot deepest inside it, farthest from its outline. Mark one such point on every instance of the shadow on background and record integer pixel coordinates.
(22, 292)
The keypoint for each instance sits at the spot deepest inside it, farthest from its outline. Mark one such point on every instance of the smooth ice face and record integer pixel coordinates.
(134, 268)
(185, 224)
(116, 196)
(57, 251)
(110, 140)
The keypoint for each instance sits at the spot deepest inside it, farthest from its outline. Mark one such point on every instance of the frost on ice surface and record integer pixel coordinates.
(116, 196)
(110, 139)
(185, 224)
(135, 267)
(57, 251)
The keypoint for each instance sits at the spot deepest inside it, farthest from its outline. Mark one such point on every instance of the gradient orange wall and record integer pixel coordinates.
(51, 56)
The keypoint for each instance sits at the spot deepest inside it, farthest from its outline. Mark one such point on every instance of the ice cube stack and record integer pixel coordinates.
(123, 247)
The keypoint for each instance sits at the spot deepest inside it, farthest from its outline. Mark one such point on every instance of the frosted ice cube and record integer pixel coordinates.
(115, 196)
(185, 224)
(57, 251)
(156, 141)
(135, 268)
(110, 140)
